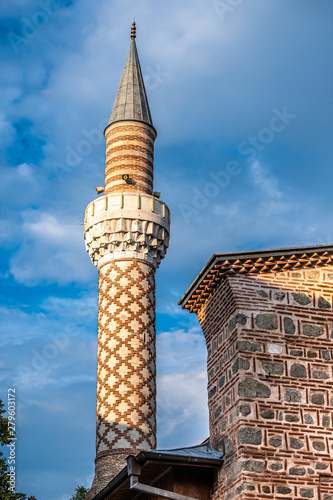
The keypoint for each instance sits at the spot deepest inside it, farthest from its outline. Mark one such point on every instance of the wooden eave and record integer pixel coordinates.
(253, 262)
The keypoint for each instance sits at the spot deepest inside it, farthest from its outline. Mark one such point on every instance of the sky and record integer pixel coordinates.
(240, 93)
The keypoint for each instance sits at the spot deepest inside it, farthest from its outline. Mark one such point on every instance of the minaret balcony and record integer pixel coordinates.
(127, 226)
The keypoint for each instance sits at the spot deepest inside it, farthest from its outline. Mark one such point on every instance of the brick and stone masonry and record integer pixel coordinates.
(268, 323)
(127, 235)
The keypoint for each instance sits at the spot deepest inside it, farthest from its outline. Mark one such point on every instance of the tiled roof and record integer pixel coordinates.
(253, 262)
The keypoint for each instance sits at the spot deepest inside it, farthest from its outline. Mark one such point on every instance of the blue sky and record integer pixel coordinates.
(241, 96)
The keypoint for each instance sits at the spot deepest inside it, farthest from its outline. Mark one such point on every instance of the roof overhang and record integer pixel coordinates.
(221, 265)
(156, 463)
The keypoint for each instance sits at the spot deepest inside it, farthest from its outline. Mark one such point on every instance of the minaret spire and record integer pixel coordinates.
(131, 101)
(127, 235)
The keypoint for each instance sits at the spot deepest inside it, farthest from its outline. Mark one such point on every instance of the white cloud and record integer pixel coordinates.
(25, 171)
(47, 227)
(80, 308)
(52, 251)
(265, 181)
(182, 415)
(50, 346)
(212, 98)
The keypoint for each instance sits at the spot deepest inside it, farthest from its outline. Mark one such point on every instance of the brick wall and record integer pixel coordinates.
(270, 390)
(129, 150)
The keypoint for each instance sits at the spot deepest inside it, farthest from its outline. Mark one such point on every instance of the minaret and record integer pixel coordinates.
(127, 235)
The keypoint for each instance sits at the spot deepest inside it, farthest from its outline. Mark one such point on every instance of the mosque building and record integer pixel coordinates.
(268, 324)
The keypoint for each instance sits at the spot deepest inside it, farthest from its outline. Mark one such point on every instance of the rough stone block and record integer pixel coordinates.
(289, 326)
(248, 435)
(266, 489)
(244, 410)
(326, 421)
(301, 298)
(306, 492)
(267, 321)
(223, 426)
(212, 392)
(276, 466)
(321, 466)
(313, 330)
(273, 368)
(253, 466)
(296, 352)
(296, 444)
(274, 348)
(267, 414)
(279, 295)
(228, 447)
(297, 471)
(243, 345)
(251, 388)
(283, 490)
(317, 398)
(276, 441)
(221, 381)
(320, 374)
(292, 418)
(293, 396)
(298, 371)
(312, 274)
(319, 445)
(218, 411)
(262, 294)
(240, 364)
(308, 419)
(238, 319)
(323, 303)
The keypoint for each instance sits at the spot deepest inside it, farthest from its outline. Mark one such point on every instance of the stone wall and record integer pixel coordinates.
(270, 390)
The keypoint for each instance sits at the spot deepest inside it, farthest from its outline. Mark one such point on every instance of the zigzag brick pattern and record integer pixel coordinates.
(126, 387)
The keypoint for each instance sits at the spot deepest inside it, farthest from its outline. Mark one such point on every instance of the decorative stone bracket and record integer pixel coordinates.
(127, 226)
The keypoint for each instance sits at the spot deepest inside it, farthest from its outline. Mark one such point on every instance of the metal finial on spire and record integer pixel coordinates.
(131, 101)
(133, 31)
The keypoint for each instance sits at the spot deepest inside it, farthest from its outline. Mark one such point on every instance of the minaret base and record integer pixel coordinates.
(107, 467)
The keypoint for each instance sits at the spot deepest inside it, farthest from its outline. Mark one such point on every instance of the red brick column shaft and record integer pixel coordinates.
(126, 385)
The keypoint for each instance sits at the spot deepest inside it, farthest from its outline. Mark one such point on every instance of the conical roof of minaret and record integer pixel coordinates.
(131, 101)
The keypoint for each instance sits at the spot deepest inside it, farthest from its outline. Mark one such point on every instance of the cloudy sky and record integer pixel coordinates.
(241, 96)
